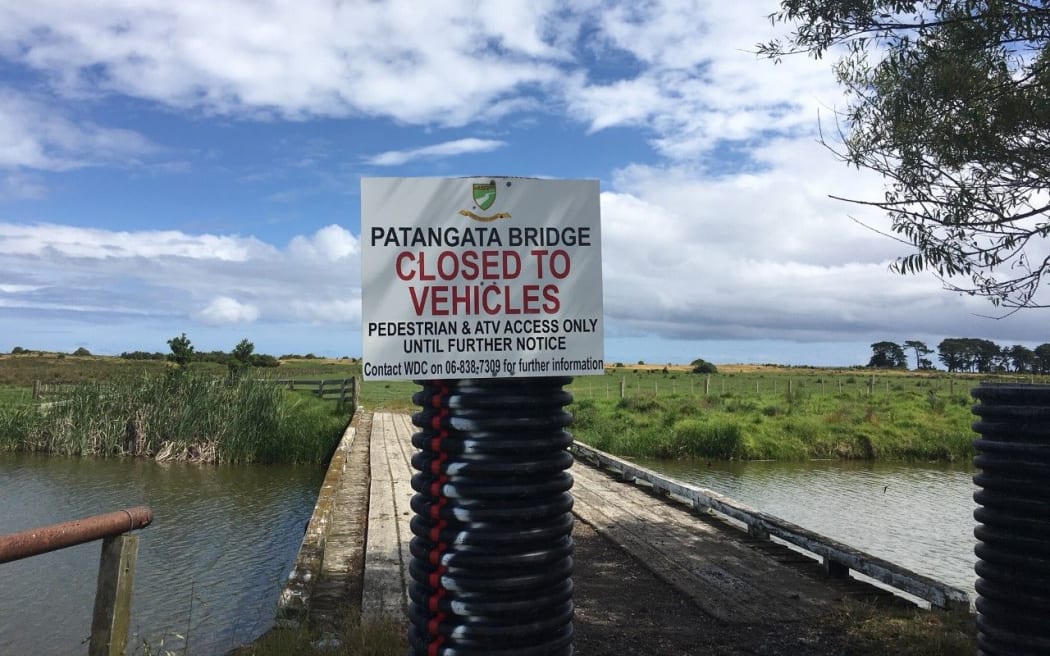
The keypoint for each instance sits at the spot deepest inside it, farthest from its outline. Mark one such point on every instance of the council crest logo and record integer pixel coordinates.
(484, 195)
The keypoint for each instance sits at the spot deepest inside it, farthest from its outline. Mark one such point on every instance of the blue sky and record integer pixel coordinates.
(195, 167)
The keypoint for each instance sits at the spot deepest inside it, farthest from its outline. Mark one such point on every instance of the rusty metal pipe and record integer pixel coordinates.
(36, 541)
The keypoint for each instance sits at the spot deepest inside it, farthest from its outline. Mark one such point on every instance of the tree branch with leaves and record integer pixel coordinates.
(949, 101)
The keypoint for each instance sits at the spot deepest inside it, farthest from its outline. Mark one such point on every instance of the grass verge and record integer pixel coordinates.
(899, 425)
(906, 631)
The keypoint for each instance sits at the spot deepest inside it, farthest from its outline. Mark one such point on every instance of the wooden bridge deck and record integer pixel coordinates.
(730, 576)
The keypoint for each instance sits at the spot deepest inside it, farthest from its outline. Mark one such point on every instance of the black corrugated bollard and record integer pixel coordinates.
(492, 549)
(1013, 531)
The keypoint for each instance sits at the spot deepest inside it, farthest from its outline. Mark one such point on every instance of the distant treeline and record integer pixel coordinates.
(964, 354)
(218, 357)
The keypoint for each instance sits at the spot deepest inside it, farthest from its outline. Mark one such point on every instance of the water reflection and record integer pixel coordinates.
(209, 567)
(917, 515)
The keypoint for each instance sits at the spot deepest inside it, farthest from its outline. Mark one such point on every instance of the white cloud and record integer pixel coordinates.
(96, 243)
(21, 187)
(688, 73)
(697, 81)
(17, 289)
(417, 62)
(224, 309)
(36, 135)
(330, 243)
(767, 255)
(727, 232)
(333, 310)
(435, 151)
(213, 279)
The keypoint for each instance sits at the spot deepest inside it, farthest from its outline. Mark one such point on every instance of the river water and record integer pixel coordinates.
(224, 537)
(917, 515)
(209, 568)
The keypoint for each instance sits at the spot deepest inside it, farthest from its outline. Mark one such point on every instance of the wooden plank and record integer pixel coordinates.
(401, 473)
(383, 594)
(705, 562)
(116, 579)
(836, 554)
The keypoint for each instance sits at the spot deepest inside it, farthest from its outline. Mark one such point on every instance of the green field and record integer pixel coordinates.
(742, 412)
(779, 413)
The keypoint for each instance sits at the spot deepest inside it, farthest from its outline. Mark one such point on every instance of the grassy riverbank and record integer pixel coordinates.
(180, 415)
(790, 426)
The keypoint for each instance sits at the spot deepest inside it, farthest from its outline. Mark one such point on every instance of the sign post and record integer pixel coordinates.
(488, 292)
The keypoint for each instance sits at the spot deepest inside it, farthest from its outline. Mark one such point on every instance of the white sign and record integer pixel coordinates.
(481, 278)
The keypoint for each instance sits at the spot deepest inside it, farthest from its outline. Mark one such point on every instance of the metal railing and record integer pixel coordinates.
(116, 570)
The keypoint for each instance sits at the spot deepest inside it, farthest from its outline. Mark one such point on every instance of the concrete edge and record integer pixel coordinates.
(293, 606)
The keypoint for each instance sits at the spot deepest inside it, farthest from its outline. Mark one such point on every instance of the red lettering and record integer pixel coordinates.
(490, 309)
(530, 296)
(419, 301)
(490, 265)
(508, 308)
(461, 300)
(469, 265)
(511, 265)
(539, 262)
(560, 263)
(550, 294)
(439, 300)
(401, 273)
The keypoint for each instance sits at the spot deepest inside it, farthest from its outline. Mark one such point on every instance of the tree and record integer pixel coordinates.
(949, 101)
(1021, 358)
(701, 366)
(1042, 358)
(181, 350)
(969, 354)
(887, 355)
(920, 350)
(242, 353)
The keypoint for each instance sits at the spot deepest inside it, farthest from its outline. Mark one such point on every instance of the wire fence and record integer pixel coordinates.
(680, 384)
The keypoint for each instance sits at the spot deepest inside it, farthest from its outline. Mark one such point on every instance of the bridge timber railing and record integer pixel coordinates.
(837, 558)
(116, 569)
(344, 390)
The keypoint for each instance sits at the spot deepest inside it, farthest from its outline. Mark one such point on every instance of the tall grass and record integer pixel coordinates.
(900, 424)
(179, 415)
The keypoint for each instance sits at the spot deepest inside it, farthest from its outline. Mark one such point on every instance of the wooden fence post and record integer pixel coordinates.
(36, 389)
(707, 385)
(623, 386)
(116, 576)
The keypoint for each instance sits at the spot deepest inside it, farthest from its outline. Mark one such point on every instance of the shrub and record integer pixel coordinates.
(701, 366)
(718, 439)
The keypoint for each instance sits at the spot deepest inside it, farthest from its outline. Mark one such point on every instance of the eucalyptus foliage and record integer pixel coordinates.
(949, 100)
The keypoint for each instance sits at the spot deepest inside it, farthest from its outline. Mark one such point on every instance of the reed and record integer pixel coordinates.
(179, 415)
